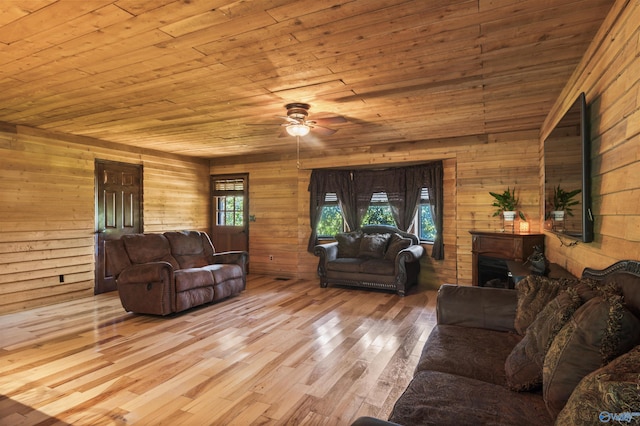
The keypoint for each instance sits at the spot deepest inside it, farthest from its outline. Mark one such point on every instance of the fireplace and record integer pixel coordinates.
(491, 250)
(493, 272)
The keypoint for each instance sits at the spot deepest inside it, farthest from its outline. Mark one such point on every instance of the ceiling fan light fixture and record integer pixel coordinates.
(298, 129)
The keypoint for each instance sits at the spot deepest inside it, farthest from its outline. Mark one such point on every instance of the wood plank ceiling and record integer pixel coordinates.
(208, 78)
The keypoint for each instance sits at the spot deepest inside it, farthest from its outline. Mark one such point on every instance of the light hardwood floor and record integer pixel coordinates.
(282, 352)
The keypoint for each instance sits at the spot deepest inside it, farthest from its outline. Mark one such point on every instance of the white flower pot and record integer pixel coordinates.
(509, 216)
(557, 215)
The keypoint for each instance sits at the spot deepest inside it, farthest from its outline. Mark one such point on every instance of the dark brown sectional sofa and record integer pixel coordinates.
(166, 273)
(553, 351)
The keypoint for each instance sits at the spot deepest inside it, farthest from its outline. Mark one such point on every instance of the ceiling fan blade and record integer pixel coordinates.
(324, 131)
(338, 119)
(283, 134)
(291, 120)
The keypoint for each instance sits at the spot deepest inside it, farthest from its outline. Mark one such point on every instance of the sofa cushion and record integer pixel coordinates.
(534, 292)
(599, 331)
(228, 288)
(187, 248)
(396, 243)
(523, 367)
(224, 272)
(377, 266)
(345, 264)
(145, 248)
(194, 297)
(373, 245)
(612, 389)
(440, 399)
(348, 243)
(448, 350)
(188, 279)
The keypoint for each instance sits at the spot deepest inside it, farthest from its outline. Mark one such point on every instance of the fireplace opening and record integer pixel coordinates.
(493, 272)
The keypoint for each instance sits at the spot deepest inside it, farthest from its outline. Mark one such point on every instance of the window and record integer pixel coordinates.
(424, 221)
(379, 211)
(414, 194)
(229, 202)
(331, 221)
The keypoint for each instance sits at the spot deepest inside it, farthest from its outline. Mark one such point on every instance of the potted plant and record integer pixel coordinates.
(562, 201)
(507, 204)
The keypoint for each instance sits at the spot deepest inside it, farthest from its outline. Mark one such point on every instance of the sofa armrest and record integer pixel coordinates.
(480, 307)
(326, 252)
(411, 253)
(237, 257)
(146, 273)
(147, 288)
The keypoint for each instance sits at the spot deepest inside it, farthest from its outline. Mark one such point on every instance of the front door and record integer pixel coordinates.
(118, 211)
(230, 209)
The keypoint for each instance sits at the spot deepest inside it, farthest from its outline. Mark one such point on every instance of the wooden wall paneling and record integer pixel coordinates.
(507, 160)
(461, 181)
(609, 76)
(307, 262)
(47, 209)
(176, 195)
(43, 185)
(273, 200)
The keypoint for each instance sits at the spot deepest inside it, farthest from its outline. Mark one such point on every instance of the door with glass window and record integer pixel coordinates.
(230, 210)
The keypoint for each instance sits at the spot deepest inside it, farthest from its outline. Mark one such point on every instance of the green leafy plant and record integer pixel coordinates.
(563, 200)
(507, 201)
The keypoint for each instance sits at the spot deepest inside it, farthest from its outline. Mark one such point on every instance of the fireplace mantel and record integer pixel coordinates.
(502, 245)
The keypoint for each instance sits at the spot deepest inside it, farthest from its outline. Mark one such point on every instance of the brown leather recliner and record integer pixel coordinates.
(171, 272)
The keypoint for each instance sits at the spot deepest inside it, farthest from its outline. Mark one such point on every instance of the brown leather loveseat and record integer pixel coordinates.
(165, 273)
(374, 256)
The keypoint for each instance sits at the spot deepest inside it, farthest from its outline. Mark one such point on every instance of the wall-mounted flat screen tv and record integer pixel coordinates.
(567, 168)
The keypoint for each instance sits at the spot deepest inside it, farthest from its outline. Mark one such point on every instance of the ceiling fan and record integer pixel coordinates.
(297, 124)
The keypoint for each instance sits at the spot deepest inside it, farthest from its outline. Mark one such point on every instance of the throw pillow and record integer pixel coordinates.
(523, 367)
(629, 285)
(396, 243)
(534, 292)
(599, 331)
(373, 245)
(349, 243)
(608, 391)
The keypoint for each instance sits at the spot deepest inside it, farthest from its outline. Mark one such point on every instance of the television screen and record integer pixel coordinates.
(567, 168)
